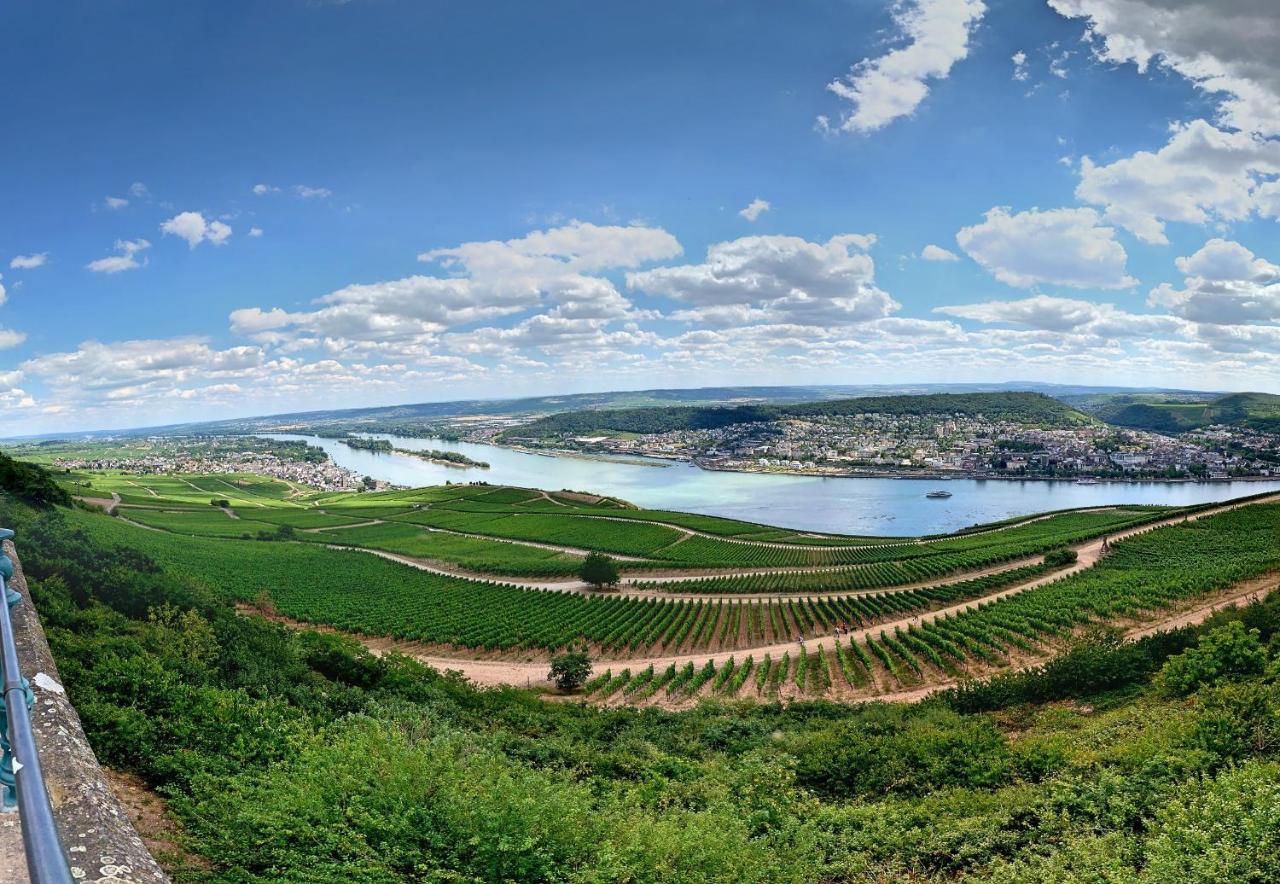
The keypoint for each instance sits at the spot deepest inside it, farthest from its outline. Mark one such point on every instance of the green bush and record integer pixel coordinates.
(1225, 651)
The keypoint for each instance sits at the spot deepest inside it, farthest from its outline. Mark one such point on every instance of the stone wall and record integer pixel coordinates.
(101, 843)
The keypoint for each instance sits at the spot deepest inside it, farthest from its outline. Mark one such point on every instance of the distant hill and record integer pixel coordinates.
(1029, 408)
(1256, 411)
(418, 414)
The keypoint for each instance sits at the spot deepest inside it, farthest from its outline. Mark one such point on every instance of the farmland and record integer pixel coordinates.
(477, 572)
(499, 531)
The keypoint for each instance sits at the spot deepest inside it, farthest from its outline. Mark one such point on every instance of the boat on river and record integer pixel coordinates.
(938, 495)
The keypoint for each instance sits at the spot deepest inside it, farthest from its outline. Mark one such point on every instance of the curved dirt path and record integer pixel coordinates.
(577, 587)
(836, 544)
(502, 672)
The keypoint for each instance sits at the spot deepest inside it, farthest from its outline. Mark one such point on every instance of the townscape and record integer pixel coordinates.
(875, 444)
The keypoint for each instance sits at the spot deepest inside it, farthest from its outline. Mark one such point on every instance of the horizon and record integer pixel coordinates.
(886, 390)
(219, 221)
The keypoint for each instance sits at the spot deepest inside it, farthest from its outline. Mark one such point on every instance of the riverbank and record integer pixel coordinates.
(881, 506)
(860, 473)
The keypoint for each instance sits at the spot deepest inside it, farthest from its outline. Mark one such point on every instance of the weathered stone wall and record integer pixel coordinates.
(101, 843)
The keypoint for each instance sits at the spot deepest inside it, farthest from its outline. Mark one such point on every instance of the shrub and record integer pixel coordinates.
(1225, 651)
(570, 670)
(1060, 558)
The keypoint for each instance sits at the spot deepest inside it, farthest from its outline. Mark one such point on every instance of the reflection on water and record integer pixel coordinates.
(850, 506)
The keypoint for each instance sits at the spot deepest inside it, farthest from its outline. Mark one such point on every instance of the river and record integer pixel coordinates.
(810, 503)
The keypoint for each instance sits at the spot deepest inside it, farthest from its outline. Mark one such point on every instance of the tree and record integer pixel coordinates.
(599, 570)
(570, 670)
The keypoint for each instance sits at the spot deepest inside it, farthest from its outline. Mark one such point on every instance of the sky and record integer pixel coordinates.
(235, 208)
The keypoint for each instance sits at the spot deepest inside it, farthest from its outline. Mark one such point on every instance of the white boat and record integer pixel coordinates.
(1086, 481)
(938, 495)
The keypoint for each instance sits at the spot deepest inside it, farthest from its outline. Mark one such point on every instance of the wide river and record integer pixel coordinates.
(848, 506)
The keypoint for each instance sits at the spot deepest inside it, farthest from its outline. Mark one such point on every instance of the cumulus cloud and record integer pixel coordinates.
(115, 202)
(755, 209)
(140, 370)
(1058, 246)
(1227, 48)
(1020, 72)
(775, 278)
(193, 227)
(29, 262)
(126, 260)
(1202, 174)
(938, 253)
(255, 232)
(553, 270)
(264, 189)
(893, 85)
(308, 193)
(1225, 284)
(1065, 315)
(1207, 171)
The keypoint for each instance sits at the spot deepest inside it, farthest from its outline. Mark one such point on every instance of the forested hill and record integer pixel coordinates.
(1028, 408)
(1257, 411)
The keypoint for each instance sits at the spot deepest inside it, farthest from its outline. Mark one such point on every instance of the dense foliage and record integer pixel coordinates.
(1256, 411)
(298, 757)
(1029, 408)
(30, 483)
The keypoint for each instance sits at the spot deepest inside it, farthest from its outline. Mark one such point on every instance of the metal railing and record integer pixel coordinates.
(21, 777)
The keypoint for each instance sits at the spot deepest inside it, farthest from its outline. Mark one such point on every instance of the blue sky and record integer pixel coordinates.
(232, 208)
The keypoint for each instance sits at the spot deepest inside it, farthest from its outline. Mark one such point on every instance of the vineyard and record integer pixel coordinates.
(821, 616)
(1141, 576)
(515, 532)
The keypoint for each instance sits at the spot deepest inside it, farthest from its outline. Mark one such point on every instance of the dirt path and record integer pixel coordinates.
(499, 672)
(107, 504)
(624, 590)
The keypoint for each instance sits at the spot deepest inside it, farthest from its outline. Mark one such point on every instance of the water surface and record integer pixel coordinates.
(811, 503)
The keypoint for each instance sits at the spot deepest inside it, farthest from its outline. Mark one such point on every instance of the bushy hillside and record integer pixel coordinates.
(1029, 408)
(1257, 411)
(29, 482)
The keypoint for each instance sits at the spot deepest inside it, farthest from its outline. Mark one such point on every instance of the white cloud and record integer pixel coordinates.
(755, 209)
(937, 253)
(883, 89)
(1059, 246)
(1225, 285)
(193, 227)
(264, 189)
(115, 202)
(777, 279)
(255, 232)
(139, 190)
(126, 260)
(307, 193)
(1020, 72)
(29, 262)
(1203, 174)
(549, 270)
(1227, 48)
(1065, 315)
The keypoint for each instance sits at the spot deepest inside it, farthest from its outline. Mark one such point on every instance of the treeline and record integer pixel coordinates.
(30, 483)
(1028, 408)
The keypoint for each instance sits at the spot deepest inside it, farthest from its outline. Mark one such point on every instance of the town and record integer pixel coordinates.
(892, 445)
(293, 462)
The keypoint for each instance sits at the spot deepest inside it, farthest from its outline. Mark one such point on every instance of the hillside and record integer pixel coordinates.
(1029, 408)
(1257, 411)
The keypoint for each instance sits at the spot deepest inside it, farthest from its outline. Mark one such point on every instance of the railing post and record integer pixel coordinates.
(22, 774)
